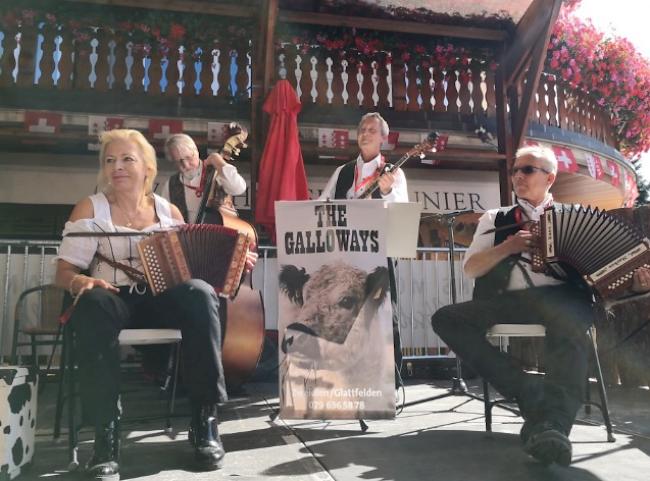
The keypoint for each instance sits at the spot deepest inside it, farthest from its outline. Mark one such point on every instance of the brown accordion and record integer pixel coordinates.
(213, 253)
(603, 248)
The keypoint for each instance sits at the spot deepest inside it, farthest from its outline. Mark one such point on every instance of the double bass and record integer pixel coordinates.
(243, 335)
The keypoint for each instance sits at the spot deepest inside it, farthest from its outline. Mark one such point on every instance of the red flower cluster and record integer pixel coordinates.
(609, 69)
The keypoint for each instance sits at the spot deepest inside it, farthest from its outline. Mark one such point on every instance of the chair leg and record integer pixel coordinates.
(60, 396)
(73, 435)
(604, 405)
(487, 404)
(172, 399)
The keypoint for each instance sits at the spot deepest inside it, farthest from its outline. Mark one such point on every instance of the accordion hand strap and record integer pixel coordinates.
(131, 272)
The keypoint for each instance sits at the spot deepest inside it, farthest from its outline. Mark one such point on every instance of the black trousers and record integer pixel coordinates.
(567, 314)
(100, 315)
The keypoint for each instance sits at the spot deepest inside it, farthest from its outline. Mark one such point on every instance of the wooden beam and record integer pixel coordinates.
(529, 30)
(520, 120)
(186, 6)
(504, 140)
(402, 26)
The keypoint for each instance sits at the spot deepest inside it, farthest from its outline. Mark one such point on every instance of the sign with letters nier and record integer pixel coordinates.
(335, 317)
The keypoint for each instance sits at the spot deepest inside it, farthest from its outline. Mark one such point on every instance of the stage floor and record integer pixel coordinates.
(439, 440)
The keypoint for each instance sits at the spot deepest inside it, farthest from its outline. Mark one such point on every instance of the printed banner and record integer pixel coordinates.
(391, 142)
(614, 172)
(335, 315)
(98, 124)
(595, 166)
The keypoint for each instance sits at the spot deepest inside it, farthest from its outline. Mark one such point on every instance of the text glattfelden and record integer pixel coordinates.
(332, 234)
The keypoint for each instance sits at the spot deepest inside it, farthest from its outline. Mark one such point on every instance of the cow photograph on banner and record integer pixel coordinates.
(335, 327)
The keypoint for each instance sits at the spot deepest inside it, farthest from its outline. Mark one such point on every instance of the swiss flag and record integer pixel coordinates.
(43, 122)
(566, 161)
(333, 138)
(441, 143)
(160, 129)
(391, 142)
(595, 166)
(98, 124)
(217, 132)
(614, 172)
(631, 190)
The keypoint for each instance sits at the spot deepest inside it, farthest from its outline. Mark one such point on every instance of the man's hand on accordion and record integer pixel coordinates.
(251, 260)
(522, 241)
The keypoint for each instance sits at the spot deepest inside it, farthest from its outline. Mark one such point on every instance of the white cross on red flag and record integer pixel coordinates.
(160, 129)
(333, 138)
(43, 122)
(391, 142)
(566, 161)
(614, 172)
(594, 165)
(217, 132)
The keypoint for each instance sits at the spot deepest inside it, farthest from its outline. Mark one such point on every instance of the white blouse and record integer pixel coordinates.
(80, 251)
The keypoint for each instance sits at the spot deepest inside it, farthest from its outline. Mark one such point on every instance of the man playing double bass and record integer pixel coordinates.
(187, 188)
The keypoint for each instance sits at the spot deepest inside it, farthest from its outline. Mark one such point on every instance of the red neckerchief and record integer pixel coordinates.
(201, 187)
(370, 178)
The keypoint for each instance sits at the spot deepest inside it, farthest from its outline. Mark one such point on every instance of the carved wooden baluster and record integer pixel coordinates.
(490, 94)
(382, 84)
(224, 74)
(214, 68)
(412, 88)
(110, 61)
(102, 67)
(407, 85)
(38, 54)
(16, 71)
(146, 70)
(290, 64)
(329, 78)
(552, 101)
(92, 59)
(56, 60)
(426, 72)
(399, 85)
(561, 105)
(47, 63)
(321, 82)
(359, 81)
(282, 68)
(418, 82)
(313, 75)
(155, 70)
(452, 90)
(389, 79)
(233, 88)
(249, 74)
(198, 68)
(180, 69)
(128, 62)
(439, 90)
(163, 62)
(337, 81)
(348, 93)
(65, 64)
(464, 95)
(242, 75)
(2, 51)
(374, 78)
(477, 91)
(298, 74)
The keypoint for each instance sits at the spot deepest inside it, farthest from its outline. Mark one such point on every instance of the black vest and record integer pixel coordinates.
(346, 179)
(177, 195)
(496, 281)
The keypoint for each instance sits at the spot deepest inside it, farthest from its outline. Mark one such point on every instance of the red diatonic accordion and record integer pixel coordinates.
(213, 253)
(604, 249)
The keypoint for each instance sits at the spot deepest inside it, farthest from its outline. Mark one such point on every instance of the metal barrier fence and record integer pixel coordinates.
(423, 286)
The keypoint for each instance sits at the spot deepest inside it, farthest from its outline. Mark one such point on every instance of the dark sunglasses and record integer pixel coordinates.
(527, 170)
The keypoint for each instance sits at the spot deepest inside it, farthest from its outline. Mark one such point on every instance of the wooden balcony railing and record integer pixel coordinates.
(49, 59)
(54, 60)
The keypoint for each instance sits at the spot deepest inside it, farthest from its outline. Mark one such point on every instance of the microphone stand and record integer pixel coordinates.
(458, 385)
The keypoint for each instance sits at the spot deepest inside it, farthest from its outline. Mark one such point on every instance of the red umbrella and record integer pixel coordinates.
(282, 171)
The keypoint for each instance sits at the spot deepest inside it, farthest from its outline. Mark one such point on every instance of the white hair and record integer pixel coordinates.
(382, 123)
(545, 155)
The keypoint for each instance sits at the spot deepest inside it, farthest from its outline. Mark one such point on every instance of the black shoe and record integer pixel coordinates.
(549, 443)
(104, 465)
(204, 436)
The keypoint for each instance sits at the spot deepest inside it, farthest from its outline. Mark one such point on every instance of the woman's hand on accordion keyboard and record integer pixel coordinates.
(251, 260)
(641, 280)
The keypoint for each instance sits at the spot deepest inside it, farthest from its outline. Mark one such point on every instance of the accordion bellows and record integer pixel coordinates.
(213, 253)
(603, 248)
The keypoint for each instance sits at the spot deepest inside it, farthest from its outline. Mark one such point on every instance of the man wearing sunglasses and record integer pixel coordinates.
(508, 291)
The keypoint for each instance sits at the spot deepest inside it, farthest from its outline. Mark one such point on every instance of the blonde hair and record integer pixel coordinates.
(147, 150)
(178, 141)
(382, 123)
(543, 154)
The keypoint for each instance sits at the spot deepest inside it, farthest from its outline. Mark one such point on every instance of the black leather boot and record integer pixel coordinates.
(104, 465)
(204, 436)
